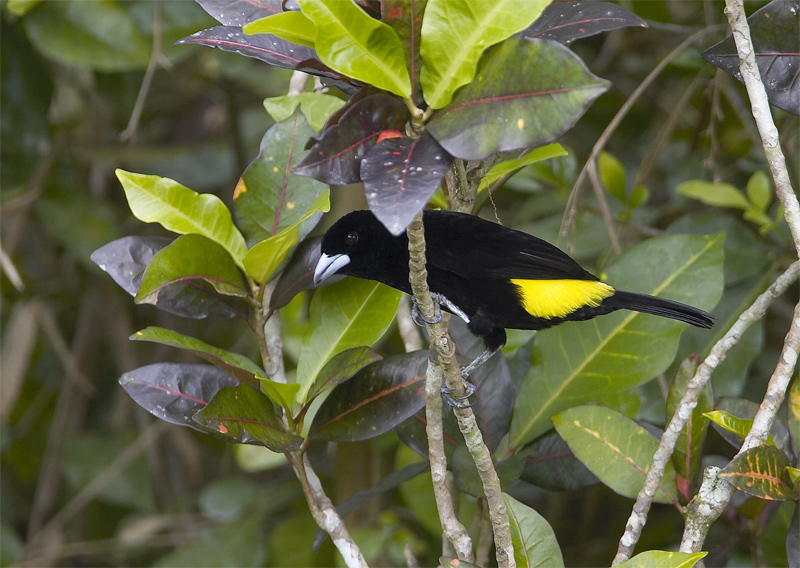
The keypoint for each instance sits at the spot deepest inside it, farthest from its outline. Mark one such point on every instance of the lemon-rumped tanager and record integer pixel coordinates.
(490, 276)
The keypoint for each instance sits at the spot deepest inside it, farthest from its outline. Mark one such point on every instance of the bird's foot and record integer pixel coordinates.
(459, 401)
(421, 320)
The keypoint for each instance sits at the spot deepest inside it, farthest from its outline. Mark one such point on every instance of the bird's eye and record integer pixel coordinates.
(351, 238)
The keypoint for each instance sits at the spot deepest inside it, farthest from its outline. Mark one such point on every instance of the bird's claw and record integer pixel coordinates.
(421, 320)
(459, 401)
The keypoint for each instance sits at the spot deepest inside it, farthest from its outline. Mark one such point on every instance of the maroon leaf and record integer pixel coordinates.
(264, 47)
(565, 22)
(550, 464)
(466, 476)
(174, 392)
(405, 18)
(240, 12)
(268, 197)
(126, 259)
(336, 158)
(761, 472)
(774, 32)
(245, 416)
(379, 397)
(526, 93)
(341, 368)
(400, 175)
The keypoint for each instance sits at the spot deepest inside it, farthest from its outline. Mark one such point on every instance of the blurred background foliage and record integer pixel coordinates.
(89, 478)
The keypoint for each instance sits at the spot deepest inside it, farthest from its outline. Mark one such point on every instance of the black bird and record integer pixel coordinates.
(491, 276)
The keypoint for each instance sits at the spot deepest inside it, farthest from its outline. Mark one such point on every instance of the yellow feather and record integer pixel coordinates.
(559, 298)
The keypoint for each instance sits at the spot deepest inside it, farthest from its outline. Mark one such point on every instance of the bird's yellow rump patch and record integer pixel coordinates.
(559, 298)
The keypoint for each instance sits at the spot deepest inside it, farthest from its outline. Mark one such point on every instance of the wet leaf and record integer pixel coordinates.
(294, 27)
(125, 259)
(761, 472)
(239, 12)
(565, 22)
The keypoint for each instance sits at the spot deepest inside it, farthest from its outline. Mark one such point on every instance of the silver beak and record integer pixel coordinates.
(329, 265)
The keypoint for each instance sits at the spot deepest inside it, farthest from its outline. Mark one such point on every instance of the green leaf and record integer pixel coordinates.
(663, 559)
(268, 197)
(758, 190)
(688, 450)
(19, 7)
(191, 258)
(352, 43)
(534, 541)
(716, 194)
(456, 32)
(246, 416)
(316, 107)
(263, 260)
(761, 472)
(615, 449)
(341, 367)
(578, 362)
(281, 393)
(639, 196)
(612, 175)
(794, 474)
(739, 426)
(154, 199)
(793, 421)
(291, 26)
(347, 314)
(234, 364)
(510, 167)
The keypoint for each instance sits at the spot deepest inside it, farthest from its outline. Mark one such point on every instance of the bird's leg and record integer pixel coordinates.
(468, 386)
(419, 319)
(451, 307)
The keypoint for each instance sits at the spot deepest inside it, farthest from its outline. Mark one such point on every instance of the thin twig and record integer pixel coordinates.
(702, 376)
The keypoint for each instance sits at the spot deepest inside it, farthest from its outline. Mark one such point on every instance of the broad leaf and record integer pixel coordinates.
(282, 394)
(191, 258)
(233, 364)
(773, 29)
(550, 464)
(508, 168)
(575, 363)
(265, 258)
(716, 194)
(268, 198)
(405, 18)
(534, 541)
(291, 26)
(615, 449)
(154, 199)
(565, 22)
(244, 415)
(467, 478)
(728, 422)
(341, 367)
(348, 314)
(663, 559)
(298, 274)
(400, 175)
(125, 259)
(264, 47)
(316, 107)
(354, 44)
(612, 175)
(688, 452)
(456, 32)
(174, 392)
(336, 157)
(742, 412)
(761, 472)
(374, 401)
(526, 93)
(793, 405)
(239, 12)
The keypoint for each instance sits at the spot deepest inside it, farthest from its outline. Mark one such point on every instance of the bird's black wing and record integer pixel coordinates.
(476, 248)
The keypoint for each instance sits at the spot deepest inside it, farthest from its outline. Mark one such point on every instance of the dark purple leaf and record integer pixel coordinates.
(336, 158)
(466, 476)
(265, 47)
(391, 481)
(405, 18)
(400, 175)
(330, 78)
(298, 273)
(174, 392)
(565, 22)
(526, 93)
(494, 397)
(126, 259)
(334, 118)
(245, 416)
(374, 401)
(774, 31)
(268, 197)
(341, 368)
(550, 464)
(239, 12)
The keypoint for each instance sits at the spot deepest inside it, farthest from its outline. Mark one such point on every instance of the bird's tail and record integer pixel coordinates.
(660, 307)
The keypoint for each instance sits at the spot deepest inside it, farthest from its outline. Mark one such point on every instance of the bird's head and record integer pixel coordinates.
(356, 245)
